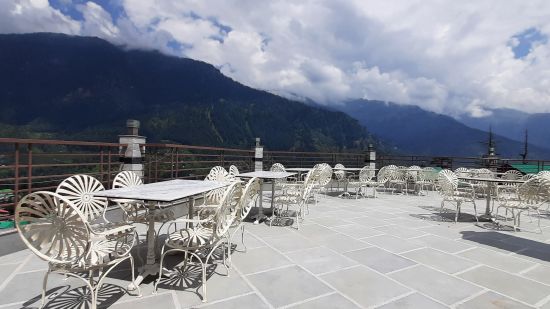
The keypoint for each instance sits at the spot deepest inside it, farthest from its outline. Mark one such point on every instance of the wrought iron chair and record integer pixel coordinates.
(384, 176)
(532, 194)
(412, 176)
(448, 187)
(136, 211)
(294, 195)
(398, 179)
(233, 172)
(426, 179)
(365, 180)
(249, 198)
(60, 234)
(201, 240)
(339, 176)
(325, 178)
(79, 190)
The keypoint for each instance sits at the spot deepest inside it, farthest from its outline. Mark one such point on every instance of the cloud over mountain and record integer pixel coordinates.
(445, 56)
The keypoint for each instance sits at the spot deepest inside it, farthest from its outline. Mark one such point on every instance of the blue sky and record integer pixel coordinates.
(526, 40)
(451, 57)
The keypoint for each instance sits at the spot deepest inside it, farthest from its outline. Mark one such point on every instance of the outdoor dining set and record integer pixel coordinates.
(199, 219)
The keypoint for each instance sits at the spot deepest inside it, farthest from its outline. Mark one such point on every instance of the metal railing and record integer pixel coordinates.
(173, 161)
(29, 165)
(309, 159)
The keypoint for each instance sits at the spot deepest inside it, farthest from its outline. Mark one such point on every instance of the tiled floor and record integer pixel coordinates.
(394, 251)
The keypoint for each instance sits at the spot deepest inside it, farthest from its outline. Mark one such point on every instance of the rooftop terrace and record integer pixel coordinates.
(394, 251)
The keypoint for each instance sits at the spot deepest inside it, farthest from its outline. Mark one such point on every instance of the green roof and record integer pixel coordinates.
(530, 168)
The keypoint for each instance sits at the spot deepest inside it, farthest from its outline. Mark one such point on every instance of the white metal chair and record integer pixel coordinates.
(325, 178)
(340, 176)
(233, 172)
(365, 180)
(532, 194)
(79, 190)
(448, 187)
(399, 179)
(426, 179)
(294, 196)
(201, 240)
(60, 234)
(249, 198)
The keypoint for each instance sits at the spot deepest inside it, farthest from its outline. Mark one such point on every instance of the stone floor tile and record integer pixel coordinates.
(357, 231)
(341, 243)
(496, 259)
(400, 231)
(16, 257)
(439, 260)
(365, 286)
(379, 259)
(370, 222)
(514, 286)
(291, 242)
(438, 285)
(32, 283)
(287, 285)
(314, 231)
(332, 301)
(540, 273)
(188, 286)
(5, 271)
(329, 221)
(413, 301)
(320, 260)
(443, 244)
(392, 243)
(164, 300)
(492, 300)
(259, 259)
(246, 301)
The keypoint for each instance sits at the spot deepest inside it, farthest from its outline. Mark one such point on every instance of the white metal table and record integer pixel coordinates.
(156, 196)
(350, 169)
(491, 184)
(299, 170)
(265, 175)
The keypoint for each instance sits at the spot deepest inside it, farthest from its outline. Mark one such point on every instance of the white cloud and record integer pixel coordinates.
(21, 16)
(446, 56)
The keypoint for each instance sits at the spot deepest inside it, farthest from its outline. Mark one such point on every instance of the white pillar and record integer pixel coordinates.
(131, 156)
(258, 156)
(371, 156)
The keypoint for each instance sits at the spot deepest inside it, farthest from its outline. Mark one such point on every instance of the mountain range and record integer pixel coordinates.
(83, 88)
(72, 87)
(513, 123)
(413, 130)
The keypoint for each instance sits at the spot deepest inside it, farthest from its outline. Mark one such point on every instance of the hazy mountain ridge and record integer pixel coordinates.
(513, 123)
(85, 88)
(417, 131)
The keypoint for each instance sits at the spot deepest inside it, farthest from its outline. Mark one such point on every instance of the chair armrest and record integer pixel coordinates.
(121, 229)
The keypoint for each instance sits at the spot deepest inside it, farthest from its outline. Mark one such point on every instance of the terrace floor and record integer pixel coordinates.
(394, 251)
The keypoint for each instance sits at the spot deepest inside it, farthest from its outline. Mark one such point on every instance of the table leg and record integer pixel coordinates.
(260, 215)
(488, 217)
(191, 210)
(151, 266)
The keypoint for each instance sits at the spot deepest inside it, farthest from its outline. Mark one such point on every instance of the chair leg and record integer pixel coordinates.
(538, 219)
(242, 238)
(44, 286)
(457, 211)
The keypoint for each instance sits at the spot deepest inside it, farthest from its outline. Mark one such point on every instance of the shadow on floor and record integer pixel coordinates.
(65, 297)
(521, 246)
(447, 215)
